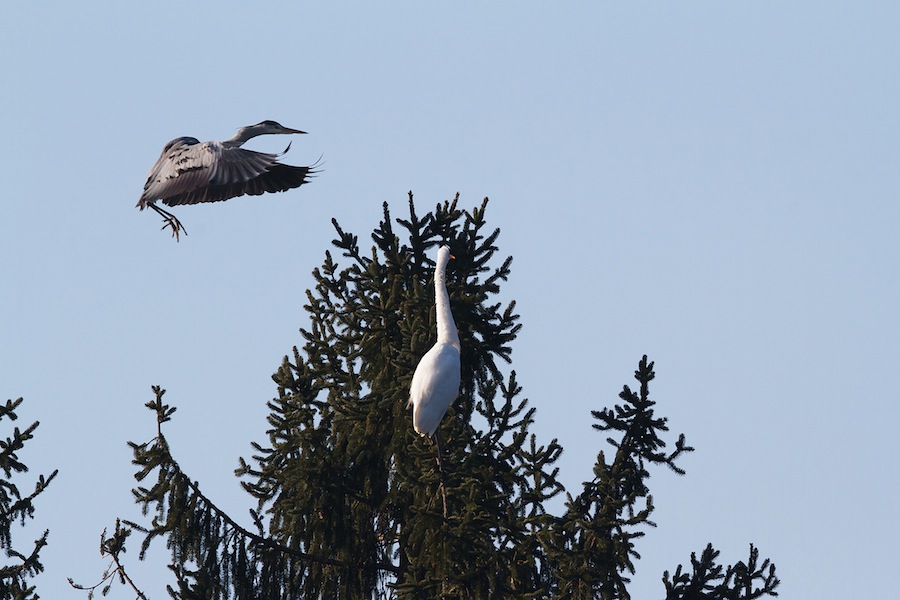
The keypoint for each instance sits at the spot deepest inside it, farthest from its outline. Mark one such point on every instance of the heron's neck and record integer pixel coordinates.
(243, 134)
(446, 328)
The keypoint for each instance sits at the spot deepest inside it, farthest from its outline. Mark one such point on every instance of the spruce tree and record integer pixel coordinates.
(16, 577)
(350, 501)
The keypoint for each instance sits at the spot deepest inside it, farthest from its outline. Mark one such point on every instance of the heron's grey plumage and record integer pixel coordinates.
(190, 172)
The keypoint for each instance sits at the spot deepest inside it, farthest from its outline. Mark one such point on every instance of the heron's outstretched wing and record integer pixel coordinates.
(175, 171)
(190, 173)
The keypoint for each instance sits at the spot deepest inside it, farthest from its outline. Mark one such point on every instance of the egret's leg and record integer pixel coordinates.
(440, 464)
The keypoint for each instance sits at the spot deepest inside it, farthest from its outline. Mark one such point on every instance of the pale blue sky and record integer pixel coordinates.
(713, 184)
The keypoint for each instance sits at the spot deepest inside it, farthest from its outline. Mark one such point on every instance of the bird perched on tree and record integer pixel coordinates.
(190, 172)
(435, 382)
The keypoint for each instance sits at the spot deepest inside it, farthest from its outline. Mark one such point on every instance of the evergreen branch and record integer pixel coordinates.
(111, 547)
(269, 543)
(29, 565)
(16, 507)
(709, 579)
(192, 522)
(9, 461)
(600, 527)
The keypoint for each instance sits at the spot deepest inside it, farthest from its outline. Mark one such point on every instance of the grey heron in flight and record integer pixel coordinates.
(190, 172)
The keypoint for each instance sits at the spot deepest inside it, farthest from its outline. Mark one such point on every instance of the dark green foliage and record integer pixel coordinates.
(15, 577)
(349, 498)
(359, 481)
(743, 581)
(594, 547)
(198, 533)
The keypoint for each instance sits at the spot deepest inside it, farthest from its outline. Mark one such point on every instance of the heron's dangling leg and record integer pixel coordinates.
(169, 220)
(440, 464)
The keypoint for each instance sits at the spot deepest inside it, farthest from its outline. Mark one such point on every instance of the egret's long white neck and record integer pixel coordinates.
(446, 327)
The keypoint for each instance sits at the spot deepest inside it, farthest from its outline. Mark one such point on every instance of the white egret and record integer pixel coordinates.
(435, 382)
(190, 172)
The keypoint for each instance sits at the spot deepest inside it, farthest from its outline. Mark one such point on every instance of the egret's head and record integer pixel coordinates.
(443, 259)
(444, 255)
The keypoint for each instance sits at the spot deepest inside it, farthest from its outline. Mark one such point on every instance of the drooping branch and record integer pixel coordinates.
(204, 526)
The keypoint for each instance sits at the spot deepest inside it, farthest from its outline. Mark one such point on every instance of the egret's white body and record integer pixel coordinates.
(435, 383)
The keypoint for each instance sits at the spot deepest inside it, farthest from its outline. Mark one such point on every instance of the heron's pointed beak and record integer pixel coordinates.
(289, 130)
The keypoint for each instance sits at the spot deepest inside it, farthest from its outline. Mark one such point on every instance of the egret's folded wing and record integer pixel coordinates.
(434, 387)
